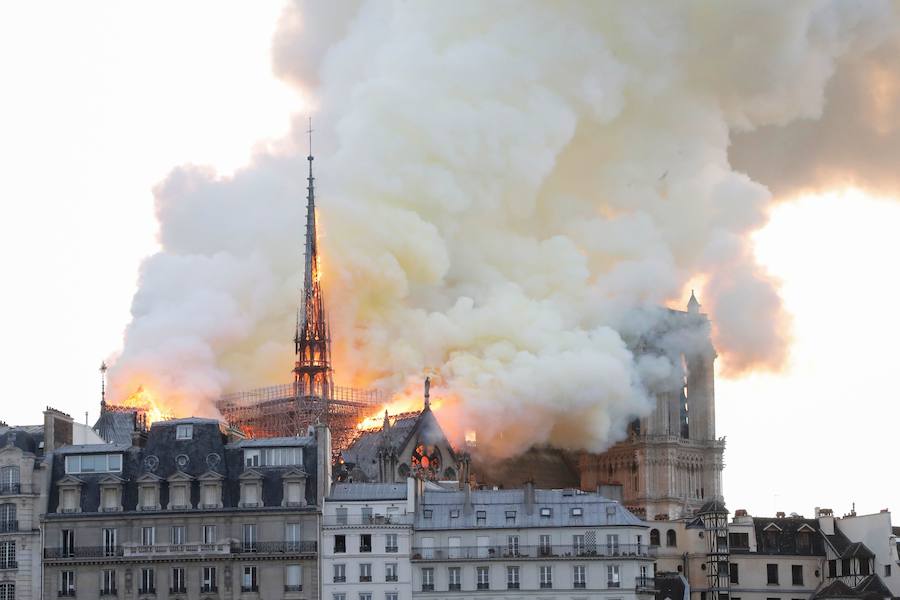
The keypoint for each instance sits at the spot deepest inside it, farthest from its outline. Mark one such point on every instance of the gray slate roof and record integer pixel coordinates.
(279, 442)
(596, 510)
(115, 427)
(368, 491)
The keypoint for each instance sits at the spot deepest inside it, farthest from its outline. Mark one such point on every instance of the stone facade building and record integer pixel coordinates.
(366, 538)
(23, 497)
(186, 511)
(528, 543)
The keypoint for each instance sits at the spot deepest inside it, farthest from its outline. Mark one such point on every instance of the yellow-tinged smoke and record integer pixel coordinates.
(509, 189)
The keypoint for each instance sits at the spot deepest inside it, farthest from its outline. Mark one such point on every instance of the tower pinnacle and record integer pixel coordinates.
(312, 368)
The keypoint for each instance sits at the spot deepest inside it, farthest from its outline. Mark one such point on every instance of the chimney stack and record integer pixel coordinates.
(58, 429)
(529, 497)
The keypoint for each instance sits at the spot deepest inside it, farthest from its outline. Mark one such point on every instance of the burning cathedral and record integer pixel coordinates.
(668, 466)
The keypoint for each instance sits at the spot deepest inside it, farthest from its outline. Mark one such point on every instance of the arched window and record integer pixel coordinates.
(7, 591)
(8, 517)
(654, 537)
(670, 538)
(9, 479)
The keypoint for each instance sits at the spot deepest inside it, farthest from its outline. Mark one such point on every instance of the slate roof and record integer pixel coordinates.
(28, 438)
(845, 548)
(870, 588)
(279, 442)
(115, 427)
(596, 510)
(368, 491)
(163, 456)
(363, 453)
(784, 531)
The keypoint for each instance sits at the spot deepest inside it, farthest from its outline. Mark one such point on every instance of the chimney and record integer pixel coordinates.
(139, 437)
(780, 514)
(58, 429)
(529, 497)
(323, 462)
(464, 472)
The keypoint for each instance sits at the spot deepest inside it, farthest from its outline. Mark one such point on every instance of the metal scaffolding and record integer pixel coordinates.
(281, 410)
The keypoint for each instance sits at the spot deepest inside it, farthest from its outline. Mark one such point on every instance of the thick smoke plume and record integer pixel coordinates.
(507, 190)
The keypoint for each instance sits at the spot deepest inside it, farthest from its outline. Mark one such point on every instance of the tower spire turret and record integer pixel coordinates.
(312, 368)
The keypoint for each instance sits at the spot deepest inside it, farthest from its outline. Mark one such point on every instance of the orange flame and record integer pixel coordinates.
(144, 400)
(400, 404)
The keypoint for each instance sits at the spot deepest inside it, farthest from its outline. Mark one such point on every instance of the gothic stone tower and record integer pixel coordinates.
(313, 375)
(671, 464)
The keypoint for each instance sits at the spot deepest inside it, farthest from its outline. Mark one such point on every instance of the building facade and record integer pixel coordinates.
(528, 543)
(186, 511)
(672, 461)
(366, 535)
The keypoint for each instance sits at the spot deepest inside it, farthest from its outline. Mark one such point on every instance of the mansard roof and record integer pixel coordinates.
(344, 492)
(779, 536)
(844, 548)
(595, 509)
(116, 427)
(206, 456)
(29, 438)
(870, 588)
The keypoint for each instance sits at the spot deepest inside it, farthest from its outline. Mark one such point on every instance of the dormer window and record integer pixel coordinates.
(111, 494)
(454, 514)
(148, 492)
(180, 491)
(427, 513)
(94, 463)
(511, 517)
(211, 490)
(481, 517)
(546, 512)
(273, 457)
(69, 494)
(577, 511)
(184, 432)
(251, 489)
(294, 488)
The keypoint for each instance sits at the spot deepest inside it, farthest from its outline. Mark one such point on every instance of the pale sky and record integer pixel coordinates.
(102, 99)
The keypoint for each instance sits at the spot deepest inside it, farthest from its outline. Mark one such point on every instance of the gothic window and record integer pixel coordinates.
(654, 537)
(426, 461)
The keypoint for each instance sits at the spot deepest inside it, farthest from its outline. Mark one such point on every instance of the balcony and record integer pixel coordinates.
(83, 552)
(579, 585)
(530, 552)
(367, 521)
(10, 489)
(209, 589)
(427, 587)
(365, 578)
(147, 591)
(390, 578)
(510, 585)
(249, 588)
(645, 584)
(163, 550)
(483, 586)
(340, 579)
(178, 589)
(9, 564)
(455, 587)
(109, 592)
(9, 526)
(66, 593)
(546, 585)
(293, 588)
(304, 547)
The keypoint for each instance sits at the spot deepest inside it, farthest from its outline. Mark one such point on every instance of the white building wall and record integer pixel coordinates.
(399, 525)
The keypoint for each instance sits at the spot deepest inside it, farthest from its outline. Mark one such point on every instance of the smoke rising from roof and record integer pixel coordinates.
(506, 193)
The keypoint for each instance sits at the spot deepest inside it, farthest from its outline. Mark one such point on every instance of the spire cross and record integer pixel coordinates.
(310, 132)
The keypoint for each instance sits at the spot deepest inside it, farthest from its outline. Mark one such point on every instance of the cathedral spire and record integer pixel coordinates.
(312, 369)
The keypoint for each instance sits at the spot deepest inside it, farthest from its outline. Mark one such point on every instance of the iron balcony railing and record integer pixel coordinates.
(645, 583)
(541, 552)
(109, 592)
(9, 526)
(302, 547)
(9, 564)
(7, 489)
(180, 589)
(146, 551)
(66, 593)
(249, 588)
(367, 521)
(83, 552)
(293, 588)
(208, 589)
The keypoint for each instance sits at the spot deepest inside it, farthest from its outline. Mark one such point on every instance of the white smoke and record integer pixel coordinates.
(506, 189)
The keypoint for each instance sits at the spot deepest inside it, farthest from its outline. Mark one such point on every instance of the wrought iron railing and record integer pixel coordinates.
(302, 547)
(367, 521)
(293, 588)
(645, 583)
(83, 552)
(176, 549)
(9, 526)
(11, 488)
(552, 551)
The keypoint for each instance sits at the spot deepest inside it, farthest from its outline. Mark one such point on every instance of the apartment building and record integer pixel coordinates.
(186, 511)
(366, 535)
(525, 543)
